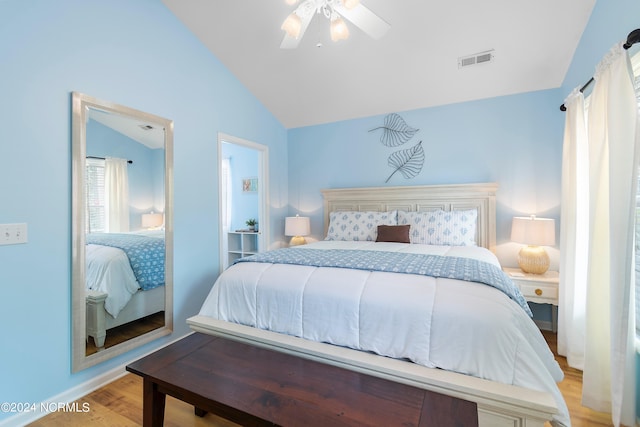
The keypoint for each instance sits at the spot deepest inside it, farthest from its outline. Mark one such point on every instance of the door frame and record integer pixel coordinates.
(263, 191)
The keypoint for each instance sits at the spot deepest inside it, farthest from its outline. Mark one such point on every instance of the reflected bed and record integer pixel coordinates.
(124, 279)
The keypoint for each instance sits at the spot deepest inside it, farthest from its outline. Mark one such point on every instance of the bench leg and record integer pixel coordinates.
(199, 412)
(153, 402)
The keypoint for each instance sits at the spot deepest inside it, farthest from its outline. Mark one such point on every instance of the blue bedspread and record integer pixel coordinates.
(467, 269)
(146, 255)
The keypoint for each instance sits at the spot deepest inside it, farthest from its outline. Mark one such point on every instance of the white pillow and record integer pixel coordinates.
(358, 226)
(438, 227)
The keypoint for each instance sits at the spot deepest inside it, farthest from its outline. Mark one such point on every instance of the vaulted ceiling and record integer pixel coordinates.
(415, 65)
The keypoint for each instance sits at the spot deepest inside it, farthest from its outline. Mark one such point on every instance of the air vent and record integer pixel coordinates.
(476, 59)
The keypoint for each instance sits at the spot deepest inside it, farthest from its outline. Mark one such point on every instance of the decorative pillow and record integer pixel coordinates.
(393, 233)
(451, 228)
(359, 226)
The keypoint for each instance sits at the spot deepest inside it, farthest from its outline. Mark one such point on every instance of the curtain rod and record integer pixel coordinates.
(632, 38)
(102, 158)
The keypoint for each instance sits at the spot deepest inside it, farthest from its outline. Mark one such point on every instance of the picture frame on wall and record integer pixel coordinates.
(250, 185)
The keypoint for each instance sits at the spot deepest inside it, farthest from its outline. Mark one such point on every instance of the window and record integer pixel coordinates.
(95, 208)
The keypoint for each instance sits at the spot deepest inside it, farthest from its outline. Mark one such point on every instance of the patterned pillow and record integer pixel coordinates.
(454, 228)
(358, 226)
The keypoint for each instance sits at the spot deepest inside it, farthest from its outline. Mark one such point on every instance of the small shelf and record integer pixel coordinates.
(241, 244)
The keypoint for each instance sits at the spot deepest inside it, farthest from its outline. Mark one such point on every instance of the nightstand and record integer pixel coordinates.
(538, 288)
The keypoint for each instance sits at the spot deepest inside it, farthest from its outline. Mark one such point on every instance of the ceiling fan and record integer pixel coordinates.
(334, 10)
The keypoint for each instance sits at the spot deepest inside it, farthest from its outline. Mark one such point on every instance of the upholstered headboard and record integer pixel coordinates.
(481, 197)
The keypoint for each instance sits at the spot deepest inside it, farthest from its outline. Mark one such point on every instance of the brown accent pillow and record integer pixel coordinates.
(393, 233)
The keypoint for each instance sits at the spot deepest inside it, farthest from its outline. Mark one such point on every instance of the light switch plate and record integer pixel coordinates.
(13, 234)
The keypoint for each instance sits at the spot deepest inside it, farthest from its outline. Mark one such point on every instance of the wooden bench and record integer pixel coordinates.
(254, 386)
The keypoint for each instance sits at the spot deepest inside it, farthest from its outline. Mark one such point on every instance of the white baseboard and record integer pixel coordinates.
(77, 392)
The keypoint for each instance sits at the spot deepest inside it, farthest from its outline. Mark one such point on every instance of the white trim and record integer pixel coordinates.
(263, 193)
(79, 391)
(82, 106)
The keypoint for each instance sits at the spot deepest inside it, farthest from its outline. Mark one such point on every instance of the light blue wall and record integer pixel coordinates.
(515, 141)
(244, 164)
(609, 24)
(134, 53)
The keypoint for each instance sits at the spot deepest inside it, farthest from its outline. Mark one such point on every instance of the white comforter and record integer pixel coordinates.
(450, 324)
(108, 270)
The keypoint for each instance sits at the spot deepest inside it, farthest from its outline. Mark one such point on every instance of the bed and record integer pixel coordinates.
(427, 306)
(124, 279)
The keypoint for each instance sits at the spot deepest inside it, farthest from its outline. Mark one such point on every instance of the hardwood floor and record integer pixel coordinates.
(127, 331)
(120, 404)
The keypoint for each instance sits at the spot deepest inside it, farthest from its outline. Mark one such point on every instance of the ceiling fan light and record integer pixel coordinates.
(339, 30)
(292, 25)
(291, 2)
(350, 4)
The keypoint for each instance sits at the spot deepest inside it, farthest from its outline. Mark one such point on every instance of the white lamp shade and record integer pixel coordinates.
(350, 4)
(338, 30)
(292, 25)
(152, 220)
(297, 226)
(533, 231)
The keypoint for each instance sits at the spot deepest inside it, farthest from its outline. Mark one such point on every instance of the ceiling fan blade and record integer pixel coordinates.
(289, 42)
(365, 19)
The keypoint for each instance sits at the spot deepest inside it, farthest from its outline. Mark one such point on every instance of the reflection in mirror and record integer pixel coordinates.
(122, 229)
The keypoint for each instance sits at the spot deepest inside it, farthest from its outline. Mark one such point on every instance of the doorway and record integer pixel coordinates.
(243, 188)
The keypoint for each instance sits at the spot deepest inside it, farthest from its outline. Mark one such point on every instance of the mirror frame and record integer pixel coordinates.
(81, 104)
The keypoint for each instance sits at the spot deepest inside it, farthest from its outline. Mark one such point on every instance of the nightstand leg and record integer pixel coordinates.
(554, 318)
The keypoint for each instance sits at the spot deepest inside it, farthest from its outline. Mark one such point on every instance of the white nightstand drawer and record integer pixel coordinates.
(539, 289)
(535, 291)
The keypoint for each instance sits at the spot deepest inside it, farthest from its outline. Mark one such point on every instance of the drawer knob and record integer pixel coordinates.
(538, 291)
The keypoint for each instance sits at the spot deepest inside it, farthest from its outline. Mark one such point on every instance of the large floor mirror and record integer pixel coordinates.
(122, 229)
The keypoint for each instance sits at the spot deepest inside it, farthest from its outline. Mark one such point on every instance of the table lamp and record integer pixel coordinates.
(152, 220)
(298, 227)
(534, 233)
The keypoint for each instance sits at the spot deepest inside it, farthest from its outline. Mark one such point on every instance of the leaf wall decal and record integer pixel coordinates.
(396, 131)
(409, 162)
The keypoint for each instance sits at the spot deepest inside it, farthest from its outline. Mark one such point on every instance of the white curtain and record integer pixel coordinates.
(574, 233)
(116, 189)
(597, 325)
